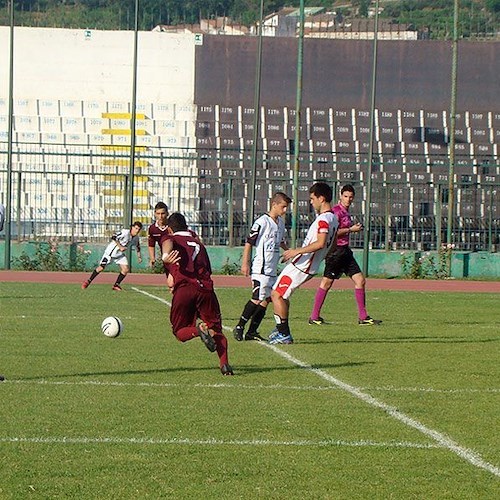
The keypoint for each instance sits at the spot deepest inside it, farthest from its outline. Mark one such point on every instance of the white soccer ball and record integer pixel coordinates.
(111, 326)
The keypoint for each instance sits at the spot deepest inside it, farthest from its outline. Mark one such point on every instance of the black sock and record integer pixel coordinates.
(257, 318)
(119, 279)
(93, 275)
(248, 312)
(282, 325)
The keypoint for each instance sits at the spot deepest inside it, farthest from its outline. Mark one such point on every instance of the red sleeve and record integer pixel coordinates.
(323, 226)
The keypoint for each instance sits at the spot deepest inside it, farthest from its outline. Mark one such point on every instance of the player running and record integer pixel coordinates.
(115, 252)
(186, 261)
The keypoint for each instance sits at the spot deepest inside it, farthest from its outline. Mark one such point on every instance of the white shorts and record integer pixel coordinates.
(289, 280)
(262, 286)
(113, 254)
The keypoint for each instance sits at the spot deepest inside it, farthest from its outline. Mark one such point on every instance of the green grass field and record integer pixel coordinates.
(409, 409)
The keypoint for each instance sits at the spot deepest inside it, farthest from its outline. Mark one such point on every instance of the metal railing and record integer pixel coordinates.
(80, 194)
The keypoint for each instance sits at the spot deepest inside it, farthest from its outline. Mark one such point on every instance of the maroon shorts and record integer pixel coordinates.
(190, 303)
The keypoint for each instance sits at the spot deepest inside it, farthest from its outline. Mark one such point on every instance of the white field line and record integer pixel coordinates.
(465, 453)
(444, 441)
(213, 441)
(258, 387)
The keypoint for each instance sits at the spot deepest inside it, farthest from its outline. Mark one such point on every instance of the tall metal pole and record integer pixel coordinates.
(256, 118)
(298, 112)
(8, 201)
(133, 119)
(453, 112)
(368, 209)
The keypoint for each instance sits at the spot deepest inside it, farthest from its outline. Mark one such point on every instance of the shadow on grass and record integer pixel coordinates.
(398, 340)
(239, 369)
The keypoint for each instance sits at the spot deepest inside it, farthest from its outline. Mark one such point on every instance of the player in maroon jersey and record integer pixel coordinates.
(157, 230)
(193, 290)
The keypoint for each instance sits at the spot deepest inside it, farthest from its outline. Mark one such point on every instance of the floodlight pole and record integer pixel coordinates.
(451, 142)
(298, 106)
(256, 119)
(129, 215)
(133, 119)
(368, 208)
(8, 203)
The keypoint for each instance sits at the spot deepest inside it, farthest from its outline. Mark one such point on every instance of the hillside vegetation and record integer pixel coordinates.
(477, 17)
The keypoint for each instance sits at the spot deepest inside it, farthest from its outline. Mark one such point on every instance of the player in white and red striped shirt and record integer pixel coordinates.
(305, 260)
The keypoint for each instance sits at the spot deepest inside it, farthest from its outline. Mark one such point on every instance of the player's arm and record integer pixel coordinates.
(151, 249)
(138, 250)
(169, 255)
(245, 260)
(320, 243)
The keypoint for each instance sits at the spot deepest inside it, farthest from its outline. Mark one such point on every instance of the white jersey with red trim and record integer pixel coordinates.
(325, 223)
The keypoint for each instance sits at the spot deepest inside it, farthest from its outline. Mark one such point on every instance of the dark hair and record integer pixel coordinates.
(160, 205)
(322, 189)
(137, 223)
(177, 222)
(348, 188)
(280, 196)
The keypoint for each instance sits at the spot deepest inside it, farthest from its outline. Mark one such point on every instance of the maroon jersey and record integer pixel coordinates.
(194, 267)
(155, 233)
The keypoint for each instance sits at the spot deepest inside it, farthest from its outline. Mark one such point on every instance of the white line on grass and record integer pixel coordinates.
(443, 440)
(465, 453)
(220, 442)
(259, 387)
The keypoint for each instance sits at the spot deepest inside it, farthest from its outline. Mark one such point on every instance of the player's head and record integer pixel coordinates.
(177, 222)
(135, 228)
(347, 195)
(320, 196)
(161, 212)
(322, 189)
(279, 204)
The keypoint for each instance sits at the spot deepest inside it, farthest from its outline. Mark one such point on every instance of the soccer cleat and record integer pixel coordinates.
(2, 378)
(206, 338)
(281, 339)
(274, 333)
(238, 333)
(254, 336)
(117, 288)
(85, 284)
(226, 370)
(318, 321)
(369, 321)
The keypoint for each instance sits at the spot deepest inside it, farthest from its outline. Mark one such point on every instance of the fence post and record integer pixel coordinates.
(438, 217)
(230, 213)
(73, 207)
(18, 198)
(387, 216)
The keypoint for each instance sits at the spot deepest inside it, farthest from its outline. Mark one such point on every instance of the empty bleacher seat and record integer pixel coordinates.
(25, 123)
(48, 107)
(163, 111)
(387, 127)
(71, 108)
(93, 109)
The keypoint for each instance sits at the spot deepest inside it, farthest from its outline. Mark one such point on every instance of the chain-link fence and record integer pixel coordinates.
(78, 194)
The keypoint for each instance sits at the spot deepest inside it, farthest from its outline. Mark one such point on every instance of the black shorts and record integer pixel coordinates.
(340, 261)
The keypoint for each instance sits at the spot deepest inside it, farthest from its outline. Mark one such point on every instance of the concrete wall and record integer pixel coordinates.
(476, 265)
(98, 65)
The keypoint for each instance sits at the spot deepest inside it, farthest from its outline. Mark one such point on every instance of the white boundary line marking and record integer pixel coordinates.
(220, 442)
(259, 387)
(444, 441)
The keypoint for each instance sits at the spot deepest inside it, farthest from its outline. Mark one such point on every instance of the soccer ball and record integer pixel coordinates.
(112, 326)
